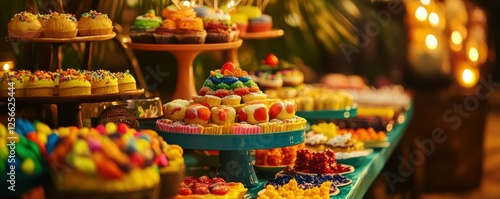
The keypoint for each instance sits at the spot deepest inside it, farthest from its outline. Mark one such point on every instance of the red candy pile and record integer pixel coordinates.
(318, 162)
(203, 185)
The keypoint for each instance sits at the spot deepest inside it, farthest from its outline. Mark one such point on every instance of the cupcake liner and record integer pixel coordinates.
(127, 87)
(24, 34)
(165, 38)
(259, 27)
(143, 37)
(105, 90)
(60, 34)
(195, 38)
(35, 92)
(95, 31)
(216, 37)
(75, 91)
(17, 93)
(170, 183)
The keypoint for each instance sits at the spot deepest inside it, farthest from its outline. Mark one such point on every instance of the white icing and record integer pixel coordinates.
(316, 139)
(339, 140)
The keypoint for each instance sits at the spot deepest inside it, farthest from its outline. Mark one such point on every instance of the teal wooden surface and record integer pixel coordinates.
(365, 174)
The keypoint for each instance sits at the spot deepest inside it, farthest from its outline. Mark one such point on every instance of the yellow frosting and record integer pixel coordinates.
(61, 22)
(137, 179)
(73, 81)
(40, 81)
(104, 81)
(24, 21)
(126, 78)
(94, 20)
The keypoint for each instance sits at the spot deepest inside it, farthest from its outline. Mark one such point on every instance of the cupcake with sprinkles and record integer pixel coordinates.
(71, 85)
(43, 18)
(144, 27)
(40, 84)
(126, 82)
(103, 82)
(24, 25)
(94, 23)
(61, 25)
(12, 81)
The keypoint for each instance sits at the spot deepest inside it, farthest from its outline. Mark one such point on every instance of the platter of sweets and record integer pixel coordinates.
(308, 180)
(292, 189)
(319, 163)
(370, 137)
(277, 159)
(206, 187)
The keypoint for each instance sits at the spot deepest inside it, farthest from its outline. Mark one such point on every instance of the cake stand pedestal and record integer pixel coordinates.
(232, 54)
(55, 44)
(235, 161)
(68, 107)
(185, 55)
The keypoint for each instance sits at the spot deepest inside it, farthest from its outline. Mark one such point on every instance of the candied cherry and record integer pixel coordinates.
(242, 115)
(271, 60)
(204, 180)
(185, 191)
(204, 113)
(275, 110)
(228, 66)
(220, 190)
(260, 114)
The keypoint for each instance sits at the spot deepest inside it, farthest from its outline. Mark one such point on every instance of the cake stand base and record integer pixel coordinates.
(236, 166)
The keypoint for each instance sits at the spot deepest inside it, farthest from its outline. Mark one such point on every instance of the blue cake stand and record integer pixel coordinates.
(235, 161)
(312, 116)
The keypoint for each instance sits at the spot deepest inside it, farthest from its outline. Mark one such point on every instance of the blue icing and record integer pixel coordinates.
(229, 80)
(244, 78)
(215, 80)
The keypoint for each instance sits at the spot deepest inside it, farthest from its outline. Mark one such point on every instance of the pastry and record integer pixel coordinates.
(255, 96)
(197, 114)
(165, 34)
(24, 25)
(43, 18)
(254, 114)
(218, 27)
(190, 31)
(40, 84)
(175, 110)
(223, 115)
(103, 82)
(61, 25)
(282, 110)
(70, 85)
(175, 13)
(144, 26)
(94, 23)
(126, 82)
(231, 100)
(12, 85)
(262, 23)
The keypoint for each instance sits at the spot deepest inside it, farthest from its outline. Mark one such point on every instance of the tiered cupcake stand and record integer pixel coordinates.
(68, 107)
(185, 55)
(235, 161)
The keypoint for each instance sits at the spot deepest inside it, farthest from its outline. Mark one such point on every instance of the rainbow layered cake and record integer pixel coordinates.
(230, 103)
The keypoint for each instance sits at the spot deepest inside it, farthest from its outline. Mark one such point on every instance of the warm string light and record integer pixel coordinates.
(456, 37)
(431, 41)
(425, 2)
(473, 54)
(434, 19)
(421, 13)
(6, 66)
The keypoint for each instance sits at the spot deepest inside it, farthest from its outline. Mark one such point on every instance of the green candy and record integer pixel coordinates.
(237, 84)
(210, 85)
(223, 86)
(34, 149)
(250, 84)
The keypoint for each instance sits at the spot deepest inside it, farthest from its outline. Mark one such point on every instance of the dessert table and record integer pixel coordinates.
(365, 174)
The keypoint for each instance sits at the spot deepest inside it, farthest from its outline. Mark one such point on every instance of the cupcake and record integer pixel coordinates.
(175, 110)
(126, 82)
(144, 26)
(249, 11)
(55, 77)
(231, 100)
(190, 31)
(260, 24)
(166, 33)
(218, 28)
(12, 83)
(108, 161)
(103, 82)
(197, 114)
(94, 23)
(40, 84)
(175, 13)
(43, 18)
(241, 21)
(70, 85)
(61, 25)
(254, 114)
(24, 25)
(223, 115)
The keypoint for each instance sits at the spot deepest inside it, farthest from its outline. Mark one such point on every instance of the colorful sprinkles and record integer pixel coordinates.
(93, 14)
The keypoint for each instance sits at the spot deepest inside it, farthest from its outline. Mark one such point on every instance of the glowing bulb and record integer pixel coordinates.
(6, 66)
(473, 54)
(186, 3)
(468, 77)
(456, 37)
(425, 2)
(434, 19)
(421, 13)
(431, 41)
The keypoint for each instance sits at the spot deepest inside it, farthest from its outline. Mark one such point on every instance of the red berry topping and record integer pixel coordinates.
(201, 190)
(222, 114)
(290, 108)
(204, 113)
(222, 93)
(260, 114)
(275, 110)
(220, 190)
(189, 181)
(191, 113)
(204, 180)
(271, 60)
(242, 116)
(254, 89)
(216, 180)
(185, 191)
(228, 66)
(241, 91)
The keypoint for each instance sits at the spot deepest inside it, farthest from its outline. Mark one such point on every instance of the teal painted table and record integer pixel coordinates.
(365, 174)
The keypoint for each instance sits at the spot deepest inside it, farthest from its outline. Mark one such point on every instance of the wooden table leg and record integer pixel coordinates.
(87, 56)
(69, 115)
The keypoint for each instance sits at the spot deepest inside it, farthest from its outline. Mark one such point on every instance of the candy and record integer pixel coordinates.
(42, 128)
(28, 166)
(113, 152)
(110, 128)
(145, 137)
(137, 160)
(83, 131)
(162, 162)
(228, 66)
(84, 164)
(51, 142)
(63, 131)
(260, 114)
(142, 144)
(3, 131)
(101, 129)
(107, 168)
(94, 145)
(122, 128)
(81, 147)
(42, 138)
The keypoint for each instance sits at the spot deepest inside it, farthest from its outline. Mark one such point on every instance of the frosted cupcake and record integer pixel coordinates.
(40, 84)
(126, 82)
(144, 26)
(12, 83)
(24, 25)
(103, 82)
(61, 25)
(71, 85)
(94, 23)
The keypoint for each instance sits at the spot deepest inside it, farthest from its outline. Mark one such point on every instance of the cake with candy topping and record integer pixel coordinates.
(94, 23)
(40, 84)
(144, 26)
(230, 103)
(106, 161)
(61, 25)
(12, 83)
(214, 188)
(24, 25)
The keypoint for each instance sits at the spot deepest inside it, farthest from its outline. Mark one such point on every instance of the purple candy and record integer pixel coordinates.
(94, 145)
